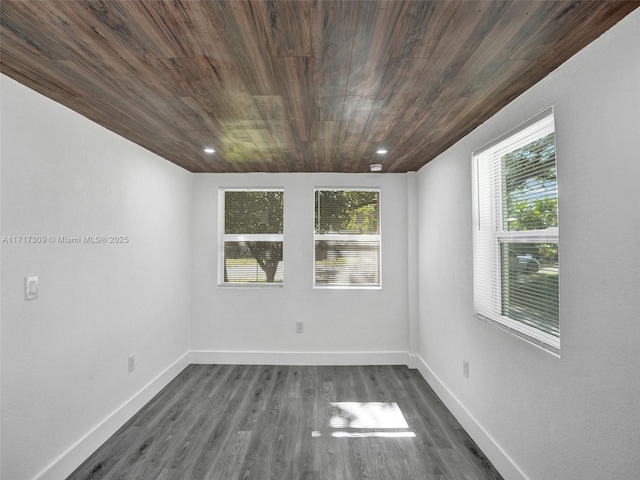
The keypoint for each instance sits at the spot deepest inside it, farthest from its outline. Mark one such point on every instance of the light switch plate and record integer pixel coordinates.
(31, 288)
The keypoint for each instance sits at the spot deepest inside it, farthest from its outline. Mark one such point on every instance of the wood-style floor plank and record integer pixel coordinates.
(249, 422)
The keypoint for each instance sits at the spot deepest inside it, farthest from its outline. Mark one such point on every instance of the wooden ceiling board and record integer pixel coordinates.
(293, 85)
(288, 27)
(423, 25)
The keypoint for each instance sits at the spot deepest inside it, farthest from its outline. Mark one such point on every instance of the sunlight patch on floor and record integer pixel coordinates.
(365, 420)
(366, 415)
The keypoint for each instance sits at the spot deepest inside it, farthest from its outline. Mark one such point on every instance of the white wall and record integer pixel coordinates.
(258, 324)
(575, 417)
(64, 355)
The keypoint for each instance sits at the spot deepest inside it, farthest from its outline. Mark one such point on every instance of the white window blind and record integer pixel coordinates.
(516, 240)
(347, 238)
(251, 236)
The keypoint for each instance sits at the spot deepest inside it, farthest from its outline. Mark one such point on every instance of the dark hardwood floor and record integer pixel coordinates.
(246, 422)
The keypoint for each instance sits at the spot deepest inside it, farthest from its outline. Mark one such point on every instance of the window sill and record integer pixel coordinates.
(250, 285)
(347, 287)
(552, 346)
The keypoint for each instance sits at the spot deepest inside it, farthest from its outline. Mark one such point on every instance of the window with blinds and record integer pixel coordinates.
(251, 237)
(347, 238)
(515, 257)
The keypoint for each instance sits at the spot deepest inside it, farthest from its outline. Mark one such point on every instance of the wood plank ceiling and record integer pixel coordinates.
(296, 85)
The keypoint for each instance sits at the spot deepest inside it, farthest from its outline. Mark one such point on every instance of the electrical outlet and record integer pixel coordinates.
(132, 363)
(299, 327)
(465, 368)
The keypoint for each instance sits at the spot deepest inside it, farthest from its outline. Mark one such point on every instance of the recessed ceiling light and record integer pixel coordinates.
(382, 151)
(209, 150)
(375, 167)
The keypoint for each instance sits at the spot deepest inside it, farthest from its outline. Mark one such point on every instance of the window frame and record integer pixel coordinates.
(342, 237)
(243, 237)
(492, 314)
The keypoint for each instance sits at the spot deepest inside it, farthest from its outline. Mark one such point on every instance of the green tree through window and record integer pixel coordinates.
(346, 211)
(253, 228)
(347, 238)
(516, 236)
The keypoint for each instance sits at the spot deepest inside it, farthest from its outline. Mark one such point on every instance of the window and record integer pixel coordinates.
(347, 238)
(251, 230)
(515, 258)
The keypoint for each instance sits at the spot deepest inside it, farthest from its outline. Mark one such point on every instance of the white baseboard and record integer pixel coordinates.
(298, 358)
(83, 448)
(505, 465)
(64, 465)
